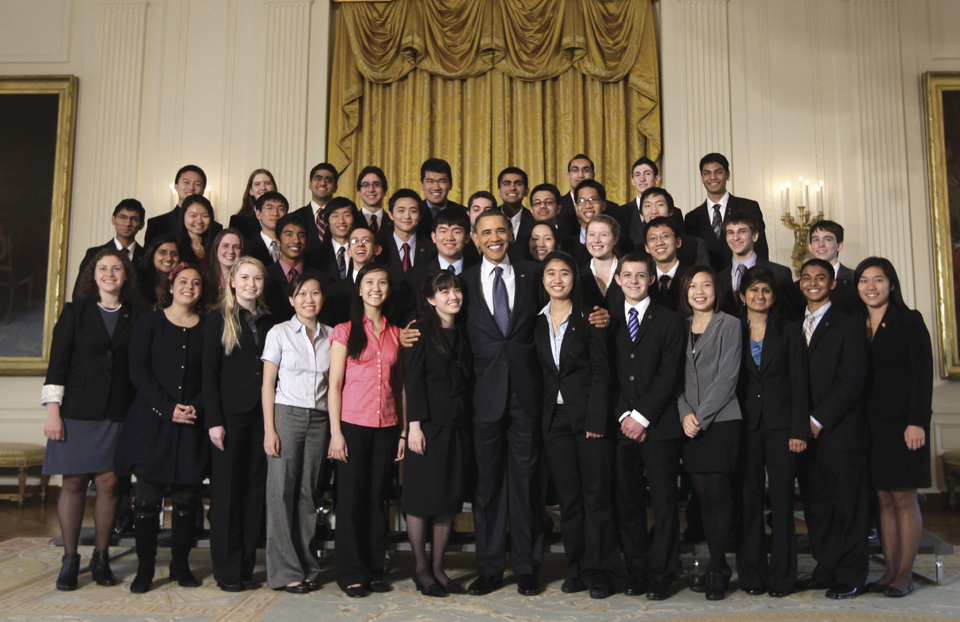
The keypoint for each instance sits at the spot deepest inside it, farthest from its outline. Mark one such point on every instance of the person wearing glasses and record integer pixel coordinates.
(592, 201)
(323, 183)
(372, 187)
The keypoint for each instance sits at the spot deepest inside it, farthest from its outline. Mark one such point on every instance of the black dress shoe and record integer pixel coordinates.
(69, 572)
(599, 591)
(876, 588)
(715, 586)
(313, 585)
(843, 591)
(230, 587)
(893, 592)
(248, 585)
(355, 591)
(659, 590)
(754, 591)
(699, 584)
(779, 593)
(572, 585)
(528, 585)
(635, 585)
(300, 588)
(100, 568)
(484, 584)
(380, 586)
(453, 587)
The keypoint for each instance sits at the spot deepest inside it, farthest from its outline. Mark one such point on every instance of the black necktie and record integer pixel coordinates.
(664, 283)
(452, 269)
(717, 229)
(501, 303)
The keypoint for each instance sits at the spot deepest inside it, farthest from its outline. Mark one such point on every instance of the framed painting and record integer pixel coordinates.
(38, 117)
(942, 108)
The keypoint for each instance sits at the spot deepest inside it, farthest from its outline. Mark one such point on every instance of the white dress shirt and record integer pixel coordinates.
(129, 249)
(515, 222)
(672, 272)
(380, 214)
(304, 373)
(723, 206)
(817, 316)
(457, 265)
(641, 308)
(486, 281)
(413, 246)
(556, 339)
(317, 212)
(613, 272)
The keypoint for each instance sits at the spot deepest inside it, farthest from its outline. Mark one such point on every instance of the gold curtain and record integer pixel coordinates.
(486, 84)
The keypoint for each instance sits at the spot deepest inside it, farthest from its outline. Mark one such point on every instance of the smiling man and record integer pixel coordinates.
(405, 248)
(331, 256)
(362, 249)
(127, 220)
(644, 175)
(436, 179)
(269, 209)
(372, 186)
(292, 241)
(323, 183)
(741, 232)
(656, 203)
(592, 201)
(189, 180)
(512, 187)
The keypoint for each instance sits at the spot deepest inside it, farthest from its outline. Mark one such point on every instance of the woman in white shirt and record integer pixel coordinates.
(600, 289)
(296, 369)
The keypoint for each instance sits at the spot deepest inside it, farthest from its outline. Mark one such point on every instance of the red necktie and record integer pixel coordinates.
(406, 257)
(292, 274)
(373, 225)
(321, 226)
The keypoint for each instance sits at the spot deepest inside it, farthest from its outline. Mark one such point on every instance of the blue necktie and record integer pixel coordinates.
(501, 304)
(633, 324)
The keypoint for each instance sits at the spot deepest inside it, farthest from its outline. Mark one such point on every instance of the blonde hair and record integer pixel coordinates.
(231, 310)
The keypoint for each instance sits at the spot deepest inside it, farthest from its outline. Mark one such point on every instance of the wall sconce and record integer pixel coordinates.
(805, 220)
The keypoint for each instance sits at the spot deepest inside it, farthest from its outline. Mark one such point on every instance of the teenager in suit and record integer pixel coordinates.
(897, 400)
(833, 473)
(227, 248)
(705, 221)
(127, 221)
(600, 289)
(545, 206)
(264, 245)
(662, 241)
(579, 168)
(245, 220)
(657, 203)
(437, 378)
(710, 415)
(647, 342)
(773, 400)
(190, 180)
(826, 242)
(372, 187)
(362, 250)
(576, 434)
(405, 248)
(323, 182)
(591, 202)
(644, 175)
(741, 231)
(512, 187)
(87, 392)
(330, 257)
(436, 178)
(164, 441)
(292, 237)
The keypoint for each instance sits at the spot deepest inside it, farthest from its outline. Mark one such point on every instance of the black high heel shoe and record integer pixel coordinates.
(67, 581)
(100, 568)
(433, 590)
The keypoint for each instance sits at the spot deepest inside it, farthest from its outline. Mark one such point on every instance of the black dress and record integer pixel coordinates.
(166, 369)
(438, 397)
(899, 393)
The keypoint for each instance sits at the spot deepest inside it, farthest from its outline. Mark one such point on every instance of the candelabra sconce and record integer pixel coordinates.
(802, 224)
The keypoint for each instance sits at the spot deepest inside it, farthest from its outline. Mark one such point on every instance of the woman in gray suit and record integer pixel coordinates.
(710, 414)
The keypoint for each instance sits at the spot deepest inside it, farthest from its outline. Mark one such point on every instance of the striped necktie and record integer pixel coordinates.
(321, 226)
(633, 324)
(809, 326)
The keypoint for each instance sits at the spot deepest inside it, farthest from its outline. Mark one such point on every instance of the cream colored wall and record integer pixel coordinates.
(826, 89)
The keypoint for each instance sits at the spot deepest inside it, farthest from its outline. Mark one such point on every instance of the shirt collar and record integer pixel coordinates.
(819, 313)
(641, 308)
(287, 267)
(317, 210)
(723, 202)
(749, 263)
(671, 272)
(120, 247)
(836, 269)
(488, 267)
(336, 245)
(613, 269)
(412, 242)
(457, 265)
(266, 239)
(367, 214)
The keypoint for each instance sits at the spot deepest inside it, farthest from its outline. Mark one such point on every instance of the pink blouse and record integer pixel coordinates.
(372, 387)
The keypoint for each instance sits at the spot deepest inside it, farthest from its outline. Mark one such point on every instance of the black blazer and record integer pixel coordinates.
(591, 292)
(324, 259)
(305, 214)
(275, 293)
(248, 226)
(837, 360)
(669, 299)
(232, 383)
(650, 370)
(567, 217)
(519, 249)
(500, 362)
(638, 228)
(900, 377)
(698, 223)
(337, 296)
(90, 365)
(92, 252)
(583, 378)
(255, 247)
(774, 395)
(844, 295)
(438, 385)
(170, 223)
(784, 290)
(403, 298)
(425, 226)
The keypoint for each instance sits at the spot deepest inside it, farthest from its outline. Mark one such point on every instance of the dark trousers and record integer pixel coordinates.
(362, 481)
(766, 455)
(508, 480)
(238, 488)
(835, 504)
(581, 468)
(659, 557)
(152, 493)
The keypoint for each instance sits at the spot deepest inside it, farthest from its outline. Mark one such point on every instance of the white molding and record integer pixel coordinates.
(36, 49)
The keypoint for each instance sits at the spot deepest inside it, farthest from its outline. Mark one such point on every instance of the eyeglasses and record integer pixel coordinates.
(322, 178)
(653, 237)
(371, 184)
(545, 202)
(595, 200)
(586, 170)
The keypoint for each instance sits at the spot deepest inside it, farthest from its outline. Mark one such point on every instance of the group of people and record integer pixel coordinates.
(636, 346)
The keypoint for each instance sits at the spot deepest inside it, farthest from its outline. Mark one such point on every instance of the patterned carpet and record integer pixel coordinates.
(29, 566)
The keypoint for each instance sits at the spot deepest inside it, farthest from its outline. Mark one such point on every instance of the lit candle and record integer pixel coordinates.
(173, 196)
(820, 198)
(783, 205)
(789, 205)
(807, 193)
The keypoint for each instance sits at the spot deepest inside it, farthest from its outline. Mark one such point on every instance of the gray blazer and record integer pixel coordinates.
(712, 369)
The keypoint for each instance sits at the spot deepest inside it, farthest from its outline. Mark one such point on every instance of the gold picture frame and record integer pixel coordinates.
(38, 124)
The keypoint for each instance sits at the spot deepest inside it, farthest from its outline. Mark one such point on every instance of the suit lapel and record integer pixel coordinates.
(645, 323)
(520, 284)
(822, 327)
(707, 336)
(772, 342)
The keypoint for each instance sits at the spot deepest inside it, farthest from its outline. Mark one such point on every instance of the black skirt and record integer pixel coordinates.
(714, 450)
(892, 465)
(436, 482)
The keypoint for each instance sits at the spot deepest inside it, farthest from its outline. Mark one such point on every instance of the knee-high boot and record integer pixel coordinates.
(184, 523)
(146, 518)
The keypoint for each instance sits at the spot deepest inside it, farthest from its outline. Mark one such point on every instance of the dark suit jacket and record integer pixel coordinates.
(784, 290)
(414, 280)
(698, 223)
(305, 214)
(403, 297)
(438, 385)
(90, 365)
(637, 229)
(275, 294)
(567, 217)
(648, 371)
(837, 360)
(232, 383)
(671, 298)
(583, 378)
(92, 252)
(774, 395)
(337, 297)
(169, 223)
(505, 364)
(844, 295)
(591, 292)
(323, 258)
(255, 247)
(248, 226)
(520, 248)
(425, 226)
(900, 380)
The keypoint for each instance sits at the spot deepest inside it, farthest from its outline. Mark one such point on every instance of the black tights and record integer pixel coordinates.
(417, 533)
(152, 493)
(73, 502)
(715, 492)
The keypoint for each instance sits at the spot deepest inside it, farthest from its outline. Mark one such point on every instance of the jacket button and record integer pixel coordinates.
(631, 378)
(631, 355)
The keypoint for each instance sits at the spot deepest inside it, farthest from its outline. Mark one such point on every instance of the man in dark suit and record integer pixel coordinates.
(372, 187)
(657, 202)
(592, 201)
(648, 354)
(435, 181)
(339, 216)
(661, 244)
(512, 186)
(292, 236)
(362, 249)
(643, 175)
(128, 217)
(189, 180)
(269, 209)
(833, 473)
(579, 168)
(826, 242)
(405, 248)
(449, 237)
(545, 207)
(323, 182)
(706, 221)
(741, 233)
(503, 298)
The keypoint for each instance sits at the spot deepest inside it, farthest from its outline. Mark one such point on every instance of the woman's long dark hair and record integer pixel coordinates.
(88, 286)
(357, 342)
(248, 202)
(577, 318)
(896, 296)
(200, 306)
(762, 274)
(147, 271)
(184, 243)
(430, 324)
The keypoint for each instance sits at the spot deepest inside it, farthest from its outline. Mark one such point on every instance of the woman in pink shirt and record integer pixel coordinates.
(366, 401)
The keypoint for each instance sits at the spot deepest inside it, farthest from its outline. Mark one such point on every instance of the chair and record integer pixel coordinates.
(22, 456)
(10, 277)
